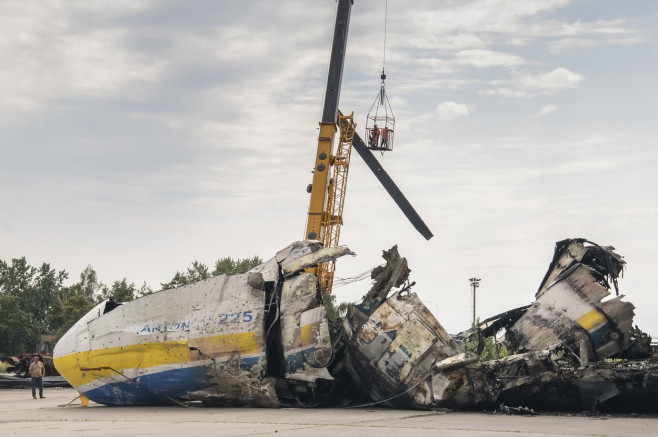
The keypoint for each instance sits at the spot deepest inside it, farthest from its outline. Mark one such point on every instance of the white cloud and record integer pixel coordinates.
(565, 44)
(462, 41)
(547, 109)
(98, 66)
(505, 92)
(451, 110)
(53, 54)
(533, 84)
(600, 27)
(508, 16)
(479, 23)
(488, 58)
(554, 80)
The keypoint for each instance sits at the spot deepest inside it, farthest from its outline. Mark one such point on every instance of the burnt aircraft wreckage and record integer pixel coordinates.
(264, 339)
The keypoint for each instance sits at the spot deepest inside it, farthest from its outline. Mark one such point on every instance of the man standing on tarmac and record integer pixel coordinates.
(37, 372)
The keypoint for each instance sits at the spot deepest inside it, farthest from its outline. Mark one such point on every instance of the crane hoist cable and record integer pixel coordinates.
(380, 122)
(385, 21)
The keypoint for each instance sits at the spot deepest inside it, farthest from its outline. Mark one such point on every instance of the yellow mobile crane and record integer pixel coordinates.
(325, 212)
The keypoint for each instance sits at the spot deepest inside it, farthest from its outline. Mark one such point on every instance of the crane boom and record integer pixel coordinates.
(325, 212)
(337, 61)
(319, 187)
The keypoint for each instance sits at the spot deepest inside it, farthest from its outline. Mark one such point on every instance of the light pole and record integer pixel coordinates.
(475, 283)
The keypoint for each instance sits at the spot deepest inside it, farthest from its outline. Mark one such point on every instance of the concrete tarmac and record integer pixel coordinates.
(21, 415)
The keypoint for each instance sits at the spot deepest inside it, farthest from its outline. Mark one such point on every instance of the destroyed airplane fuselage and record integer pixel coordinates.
(568, 309)
(264, 339)
(577, 349)
(251, 339)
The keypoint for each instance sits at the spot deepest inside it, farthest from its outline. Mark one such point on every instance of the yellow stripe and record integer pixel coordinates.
(307, 333)
(245, 343)
(146, 355)
(591, 320)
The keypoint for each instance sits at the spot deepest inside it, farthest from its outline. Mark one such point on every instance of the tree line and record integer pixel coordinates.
(34, 300)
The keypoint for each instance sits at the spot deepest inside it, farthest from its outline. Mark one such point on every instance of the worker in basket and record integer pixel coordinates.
(374, 136)
(385, 132)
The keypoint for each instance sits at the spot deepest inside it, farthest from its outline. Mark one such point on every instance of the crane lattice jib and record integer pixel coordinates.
(332, 217)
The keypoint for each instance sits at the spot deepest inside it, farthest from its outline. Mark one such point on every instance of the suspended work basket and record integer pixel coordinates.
(380, 124)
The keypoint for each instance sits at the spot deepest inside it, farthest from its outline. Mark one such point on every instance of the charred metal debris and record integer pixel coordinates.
(572, 348)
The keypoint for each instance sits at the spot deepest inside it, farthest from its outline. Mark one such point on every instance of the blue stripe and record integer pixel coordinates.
(601, 335)
(157, 388)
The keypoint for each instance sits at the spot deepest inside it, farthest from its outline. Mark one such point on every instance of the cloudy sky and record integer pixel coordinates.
(139, 136)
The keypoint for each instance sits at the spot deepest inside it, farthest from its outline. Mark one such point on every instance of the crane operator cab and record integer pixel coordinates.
(380, 124)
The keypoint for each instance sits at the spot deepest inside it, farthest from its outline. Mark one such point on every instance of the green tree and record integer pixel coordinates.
(73, 309)
(34, 300)
(178, 280)
(335, 313)
(197, 272)
(229, 266)
(34, 288)
(486, 347)
(144, 290)
(58, 302)
(76, 299)
(17, 334)
(47, 284)
(120, 291)
(89, 285)
(223, 266)
(15, 277)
